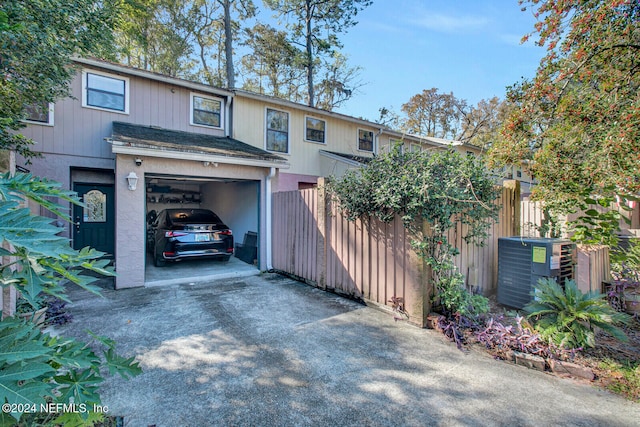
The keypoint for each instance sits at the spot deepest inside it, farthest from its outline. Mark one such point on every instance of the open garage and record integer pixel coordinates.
(234, 201)
(160, 169)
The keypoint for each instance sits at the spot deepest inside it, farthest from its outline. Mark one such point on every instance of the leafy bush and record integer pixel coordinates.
(455, 298)
(503, 338)
(477, 304)
(432, 192)
(568, 318)
(626, 263)
(36, 368)
(625, 272)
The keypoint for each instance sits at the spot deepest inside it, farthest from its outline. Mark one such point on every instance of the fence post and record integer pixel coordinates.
(514, 195)
(420, 287)
(321, 249)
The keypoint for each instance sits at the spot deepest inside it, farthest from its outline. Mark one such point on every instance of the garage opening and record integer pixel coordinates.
(235, 202)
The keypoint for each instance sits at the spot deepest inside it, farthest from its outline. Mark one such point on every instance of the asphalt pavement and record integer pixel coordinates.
(269, 351)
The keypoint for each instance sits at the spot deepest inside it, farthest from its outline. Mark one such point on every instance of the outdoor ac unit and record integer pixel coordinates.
(522, 261)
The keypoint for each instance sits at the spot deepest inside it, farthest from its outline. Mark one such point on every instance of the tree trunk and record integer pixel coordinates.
(309, 47)
(228, 45)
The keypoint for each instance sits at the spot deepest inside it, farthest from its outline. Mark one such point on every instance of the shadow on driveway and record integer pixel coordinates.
(269, 351)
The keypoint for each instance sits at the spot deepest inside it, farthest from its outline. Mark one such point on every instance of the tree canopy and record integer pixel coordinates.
(432, 113)
(192, 39)
(314, 25)
(443, 115)
(38, 38)
(577, 122)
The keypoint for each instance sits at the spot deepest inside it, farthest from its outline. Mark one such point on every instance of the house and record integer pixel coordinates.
(130, 141)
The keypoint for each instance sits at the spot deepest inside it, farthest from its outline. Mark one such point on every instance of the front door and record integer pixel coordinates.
(94, 223)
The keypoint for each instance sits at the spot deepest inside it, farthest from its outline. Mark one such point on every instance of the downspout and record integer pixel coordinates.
(376, 148)
(272, 173)
(227, 117)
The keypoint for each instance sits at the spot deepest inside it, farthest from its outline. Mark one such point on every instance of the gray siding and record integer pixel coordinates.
(79, 131)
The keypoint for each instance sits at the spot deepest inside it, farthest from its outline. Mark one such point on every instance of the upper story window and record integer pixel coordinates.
(206, 111)
(365, 140)
(105, 92)
(41, 114)
(277, 131)
(314, 130)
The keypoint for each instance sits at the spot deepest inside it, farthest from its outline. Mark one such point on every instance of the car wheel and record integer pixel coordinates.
(158, 261)
(226, 258)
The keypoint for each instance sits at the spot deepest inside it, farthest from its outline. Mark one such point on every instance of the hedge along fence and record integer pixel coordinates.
(372, 260)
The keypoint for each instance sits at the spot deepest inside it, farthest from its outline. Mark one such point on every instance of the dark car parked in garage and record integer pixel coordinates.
(176, 234)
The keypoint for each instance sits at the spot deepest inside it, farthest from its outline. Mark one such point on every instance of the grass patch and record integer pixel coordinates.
(621, 378)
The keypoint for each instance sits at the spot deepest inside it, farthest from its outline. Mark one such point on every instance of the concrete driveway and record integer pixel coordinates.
(269, 351)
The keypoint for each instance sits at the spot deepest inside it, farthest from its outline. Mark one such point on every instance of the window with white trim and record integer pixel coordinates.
(105, 92)
(365, 140)
(314, 130)
(206, 111)
(277, 138)
(40, 113)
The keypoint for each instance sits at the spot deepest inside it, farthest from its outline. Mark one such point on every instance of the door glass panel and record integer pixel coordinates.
(95, 209)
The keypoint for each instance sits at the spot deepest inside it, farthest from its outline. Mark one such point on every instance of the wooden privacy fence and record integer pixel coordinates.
(370, 259)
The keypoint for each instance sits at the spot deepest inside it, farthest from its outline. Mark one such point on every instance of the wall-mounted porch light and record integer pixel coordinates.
(132, 180)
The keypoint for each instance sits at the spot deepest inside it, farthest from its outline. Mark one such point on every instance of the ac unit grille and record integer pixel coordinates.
(567, 262)
(514, 273)
(516, 277)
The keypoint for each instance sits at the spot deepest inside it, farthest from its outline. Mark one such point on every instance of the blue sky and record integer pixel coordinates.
(468, 47)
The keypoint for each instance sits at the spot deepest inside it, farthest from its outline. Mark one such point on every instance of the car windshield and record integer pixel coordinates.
(193, 216)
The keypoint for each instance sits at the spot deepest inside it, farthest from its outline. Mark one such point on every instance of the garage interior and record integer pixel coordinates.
(235, 201)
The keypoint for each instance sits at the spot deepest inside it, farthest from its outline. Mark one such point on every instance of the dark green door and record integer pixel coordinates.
(94, 223)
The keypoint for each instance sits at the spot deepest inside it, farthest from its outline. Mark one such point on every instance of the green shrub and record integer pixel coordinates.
(569, 318)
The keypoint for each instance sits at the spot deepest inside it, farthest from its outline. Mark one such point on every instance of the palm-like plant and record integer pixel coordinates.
(569, 318)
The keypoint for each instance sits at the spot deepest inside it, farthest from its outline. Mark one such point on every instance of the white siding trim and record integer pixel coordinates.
(119, 148)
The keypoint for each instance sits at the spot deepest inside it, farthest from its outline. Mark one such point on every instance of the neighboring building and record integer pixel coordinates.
(412, 143)
(315, 142)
